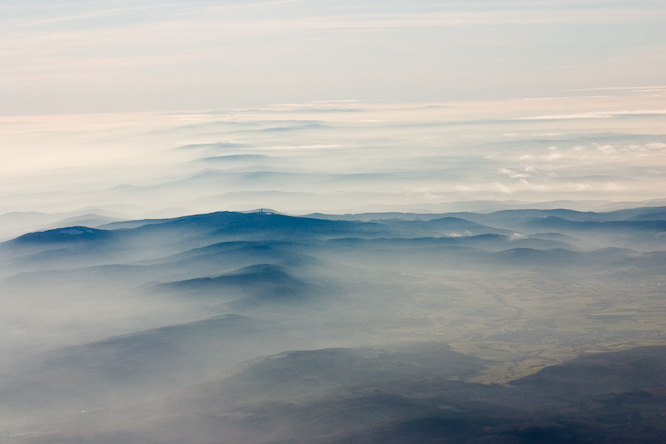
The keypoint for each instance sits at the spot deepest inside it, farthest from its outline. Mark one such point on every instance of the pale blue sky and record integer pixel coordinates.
(60, 56)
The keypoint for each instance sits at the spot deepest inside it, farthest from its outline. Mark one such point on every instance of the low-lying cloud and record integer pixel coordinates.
(378, 158)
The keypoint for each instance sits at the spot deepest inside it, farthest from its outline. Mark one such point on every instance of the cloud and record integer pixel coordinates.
(406, 158)
(607, 149)
(120, 55)
(630, 89)
(514, 175)
(598, 115)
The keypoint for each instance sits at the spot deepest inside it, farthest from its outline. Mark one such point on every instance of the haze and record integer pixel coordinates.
(310, 222)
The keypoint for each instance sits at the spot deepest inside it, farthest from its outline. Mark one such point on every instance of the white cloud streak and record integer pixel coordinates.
(598, 115)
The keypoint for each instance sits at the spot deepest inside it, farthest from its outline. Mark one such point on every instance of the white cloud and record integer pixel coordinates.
(597, 115)
(607, 149)
(513, 174)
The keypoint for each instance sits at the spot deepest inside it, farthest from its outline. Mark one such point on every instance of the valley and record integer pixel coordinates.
(393, 324)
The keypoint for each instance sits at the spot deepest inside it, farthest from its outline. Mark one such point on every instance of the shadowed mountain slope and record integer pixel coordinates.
(411, 396)
(263, 282)
(231, 223)
(64, 235)
(143, 363)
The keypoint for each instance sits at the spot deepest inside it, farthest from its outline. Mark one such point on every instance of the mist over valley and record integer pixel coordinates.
(262, 327)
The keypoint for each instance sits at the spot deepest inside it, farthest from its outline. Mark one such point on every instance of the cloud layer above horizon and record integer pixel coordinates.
(74, 56)
(337, 157)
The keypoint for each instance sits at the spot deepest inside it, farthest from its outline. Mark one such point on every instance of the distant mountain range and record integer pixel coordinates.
(527, 325)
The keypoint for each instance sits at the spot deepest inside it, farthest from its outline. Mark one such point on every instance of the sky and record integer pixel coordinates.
(162, 108)
(74, 56)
